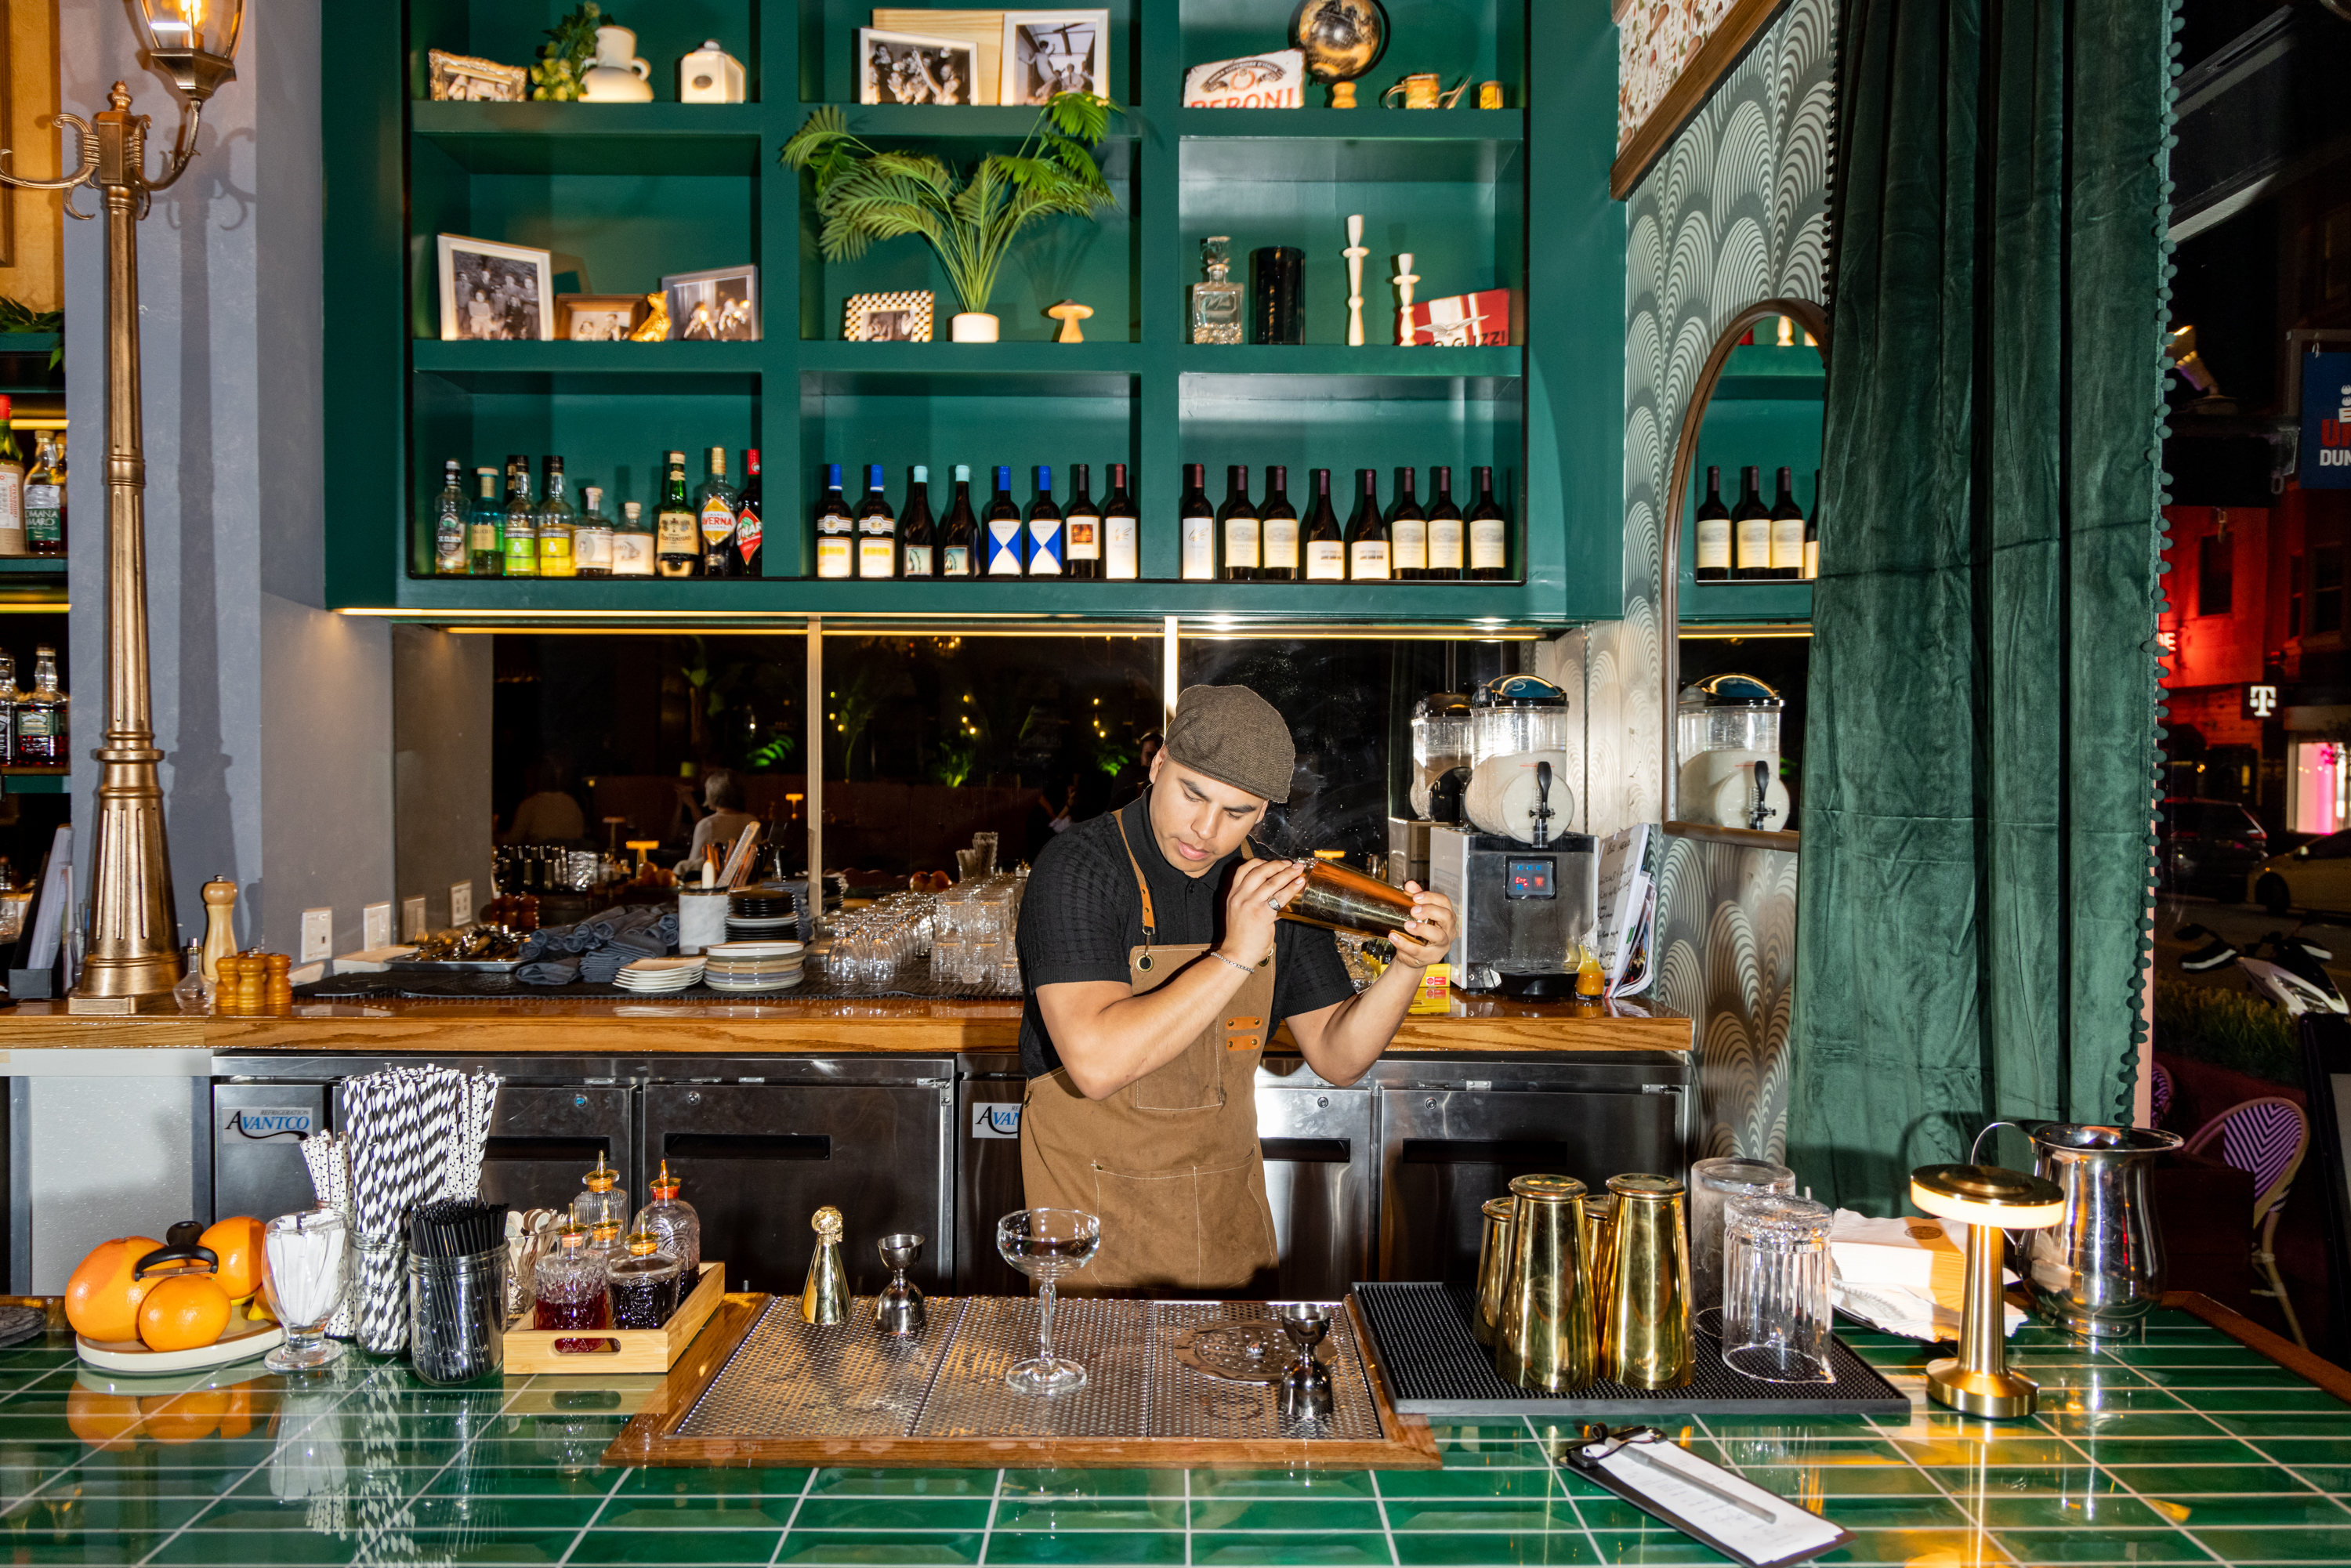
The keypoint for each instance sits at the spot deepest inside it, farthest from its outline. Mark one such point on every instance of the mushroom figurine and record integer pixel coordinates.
(1069, 313)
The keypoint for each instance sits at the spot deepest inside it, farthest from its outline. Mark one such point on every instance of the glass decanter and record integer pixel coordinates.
(605, 1198)
(1216, 303)
(672, 1221)
(642, 1283)
(569, 1285)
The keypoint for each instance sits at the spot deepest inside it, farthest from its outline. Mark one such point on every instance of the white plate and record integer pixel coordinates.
(662, 966)
(739, 950)
(132, 1357)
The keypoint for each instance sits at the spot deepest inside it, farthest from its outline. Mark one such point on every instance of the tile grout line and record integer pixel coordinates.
(1380, 1502)
(602, 1504)
(808, 1484)
(1559, 1485)
(987, 1529)
(2090, 1457)
(1187, 1516)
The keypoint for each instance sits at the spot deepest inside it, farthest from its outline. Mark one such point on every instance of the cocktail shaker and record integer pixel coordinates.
(1341, 898)
(1544, 1339)
(1493, 1267)
(1599, 1239)
(1647, 1325)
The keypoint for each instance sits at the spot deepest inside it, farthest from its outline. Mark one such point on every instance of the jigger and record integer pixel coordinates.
(1306, 1386)
(899, 1309)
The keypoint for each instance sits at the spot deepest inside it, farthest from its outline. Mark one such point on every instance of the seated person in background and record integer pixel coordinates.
(548, 815)
(723, 825)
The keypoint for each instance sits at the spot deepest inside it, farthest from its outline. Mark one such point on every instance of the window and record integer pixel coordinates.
(2327, 591)
(2294, 596)
(2215, 577)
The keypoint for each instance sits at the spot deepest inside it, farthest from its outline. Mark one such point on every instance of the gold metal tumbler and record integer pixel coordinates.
(1599, 1232)
(1493, 1267)
(1646, 1322)
(1544, 1337)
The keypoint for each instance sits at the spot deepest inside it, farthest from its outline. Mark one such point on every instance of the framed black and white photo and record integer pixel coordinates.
(599, 318)
(907, 68)
(887, 317)
(721, 305)
(495, 293)
(1050, 52)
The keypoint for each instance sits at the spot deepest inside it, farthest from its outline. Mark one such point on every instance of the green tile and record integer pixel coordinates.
(2213, 1450)
(1914, 1546)
(2056, 1511)
(223, 1548)
(1284, 1483)
(90, 1483)
(892, 1513)
(1316, 1514)
(2304, 1450)
(2227, 1354)
(1085, 1547)
(1473, 1483)
(1651, 1546)
(2279, 1545)
(2243, 1511)
(903, 1483)
(2332, 1423)
(2189, 1481)
(2100, 1545)
(1841, 1480)
(870, 1547)
(676, 1546)
(1609, 1512)
(2326, 1478)
(2247, 1401)
(667, 1480)
(1513, 1430)
(1117, 1513)
(1514, 1514)
(130, 1515)
(1940, 1455)
(2026, 1480)
(2187, 1379)
(2096, 1396)
(699, 1510)
(2130, 1423)
(1094, 1483)
(1533, 1549)
(532, 1481)
(1291, 1552)
(1484, 1452)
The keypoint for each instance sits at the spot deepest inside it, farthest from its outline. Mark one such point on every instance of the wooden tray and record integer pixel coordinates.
(630, 1350)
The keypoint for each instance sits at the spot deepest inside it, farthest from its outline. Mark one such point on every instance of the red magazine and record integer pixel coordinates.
(1464, 320)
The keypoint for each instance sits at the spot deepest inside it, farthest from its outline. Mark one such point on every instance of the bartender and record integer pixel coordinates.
(1157, 969)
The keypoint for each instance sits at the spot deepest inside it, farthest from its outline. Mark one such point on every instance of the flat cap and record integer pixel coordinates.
(1235, 736)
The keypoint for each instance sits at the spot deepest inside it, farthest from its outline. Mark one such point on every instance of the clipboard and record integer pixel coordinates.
(1717, 1508)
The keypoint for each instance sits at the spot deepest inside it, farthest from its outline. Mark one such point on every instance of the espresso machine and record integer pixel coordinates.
(1525, 890)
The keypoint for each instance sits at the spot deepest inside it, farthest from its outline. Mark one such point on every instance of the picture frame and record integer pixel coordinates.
(983, 30)
(464, 79)
(1046, 52)
(721, 304)
(493, 292)
(599, 318)
(903, 317)
(916, 69)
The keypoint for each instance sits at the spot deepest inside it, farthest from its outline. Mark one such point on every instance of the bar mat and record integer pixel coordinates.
(476, 987)
(1433, 1366)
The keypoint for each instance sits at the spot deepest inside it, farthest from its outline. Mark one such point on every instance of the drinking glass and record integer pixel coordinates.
(1776, 1311)
(1045, 1244)
(1711, 1183)
(306, 1260)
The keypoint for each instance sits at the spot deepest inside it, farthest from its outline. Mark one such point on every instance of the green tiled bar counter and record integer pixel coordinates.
(2181, 1446)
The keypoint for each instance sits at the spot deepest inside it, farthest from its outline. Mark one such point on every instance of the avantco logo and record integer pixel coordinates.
(266, 1122)
(996, 1120)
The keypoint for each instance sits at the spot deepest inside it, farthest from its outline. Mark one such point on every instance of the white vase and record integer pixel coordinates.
(972, 327)
(616, 75)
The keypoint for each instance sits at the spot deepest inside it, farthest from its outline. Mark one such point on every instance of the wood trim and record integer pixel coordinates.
(2325, 1373)
(1721, 50)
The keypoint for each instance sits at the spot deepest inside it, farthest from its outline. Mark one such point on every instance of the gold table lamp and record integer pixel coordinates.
(1987, 1200)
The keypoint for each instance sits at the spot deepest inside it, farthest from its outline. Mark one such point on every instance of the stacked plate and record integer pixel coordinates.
(753, 966)
(763, 914)
(660, 975)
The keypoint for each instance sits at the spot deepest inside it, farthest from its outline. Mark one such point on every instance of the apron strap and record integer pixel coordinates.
(1150, 924)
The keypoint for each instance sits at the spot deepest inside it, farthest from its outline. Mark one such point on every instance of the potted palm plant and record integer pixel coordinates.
(969, 216)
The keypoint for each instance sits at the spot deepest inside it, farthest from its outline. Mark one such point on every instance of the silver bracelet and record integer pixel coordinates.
(1236, 963)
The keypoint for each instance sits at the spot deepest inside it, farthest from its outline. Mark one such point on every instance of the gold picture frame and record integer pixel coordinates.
(903, 317)
(464, 78)
(599, 318)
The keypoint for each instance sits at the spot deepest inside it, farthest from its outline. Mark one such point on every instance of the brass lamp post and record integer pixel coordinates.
(1986, 1200)
(134, 934)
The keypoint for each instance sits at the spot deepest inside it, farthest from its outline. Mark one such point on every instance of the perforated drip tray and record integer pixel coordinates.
(1432, 1366)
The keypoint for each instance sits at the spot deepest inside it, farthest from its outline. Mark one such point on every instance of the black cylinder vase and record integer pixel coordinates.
(1278, 294)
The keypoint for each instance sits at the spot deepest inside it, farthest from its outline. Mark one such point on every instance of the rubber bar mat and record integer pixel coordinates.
(1421, 1339)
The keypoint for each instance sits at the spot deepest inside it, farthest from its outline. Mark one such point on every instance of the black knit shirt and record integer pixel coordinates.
(1080, 916)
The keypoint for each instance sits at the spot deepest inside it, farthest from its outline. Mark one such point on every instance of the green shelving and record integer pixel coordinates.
(621, 194)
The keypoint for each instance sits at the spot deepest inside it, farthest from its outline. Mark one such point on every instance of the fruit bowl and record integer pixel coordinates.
(242, 1339)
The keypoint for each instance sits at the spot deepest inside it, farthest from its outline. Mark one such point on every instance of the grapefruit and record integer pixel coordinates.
(101, 1298)
(236, 1242)
(182, 1312)
(101, 1421)
(185, 1417)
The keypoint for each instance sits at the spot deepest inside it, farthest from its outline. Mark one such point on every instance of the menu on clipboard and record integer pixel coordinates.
(1723, 1510)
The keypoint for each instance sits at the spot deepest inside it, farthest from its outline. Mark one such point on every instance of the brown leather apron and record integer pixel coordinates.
(1170, 1163)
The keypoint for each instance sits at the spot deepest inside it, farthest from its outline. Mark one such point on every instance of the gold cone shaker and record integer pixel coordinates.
(1493, 1267)
(1544, 1336)
(824, 1299)
(1645, 1322)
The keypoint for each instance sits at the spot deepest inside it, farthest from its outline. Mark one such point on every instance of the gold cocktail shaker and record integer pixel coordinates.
(1341, 898)
(1599, 1234)
(1544, 1336)
(1645, 1324)
(1493, 1267)
(824, 1299)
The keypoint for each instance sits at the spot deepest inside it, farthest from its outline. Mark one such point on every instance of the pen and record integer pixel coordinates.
(1734, 1500)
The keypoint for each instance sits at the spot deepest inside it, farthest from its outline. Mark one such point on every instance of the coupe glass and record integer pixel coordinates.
(1045, 1244)
(306, 1268)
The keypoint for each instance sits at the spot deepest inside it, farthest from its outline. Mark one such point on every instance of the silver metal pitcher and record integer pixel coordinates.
(2100, 1269)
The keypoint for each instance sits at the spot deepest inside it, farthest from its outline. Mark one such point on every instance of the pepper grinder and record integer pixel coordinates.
(825, 1298)
(1306, 1386)
(899, 1309)
(220, 929)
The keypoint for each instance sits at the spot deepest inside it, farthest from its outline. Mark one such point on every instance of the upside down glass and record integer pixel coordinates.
(1045, 1244)
(1713, 1182)
(1775, 1310)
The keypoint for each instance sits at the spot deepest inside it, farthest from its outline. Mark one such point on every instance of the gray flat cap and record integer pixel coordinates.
(1235, 736)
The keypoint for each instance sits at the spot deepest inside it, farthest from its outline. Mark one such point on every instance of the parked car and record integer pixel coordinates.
(2209, 847)
(2311, 875)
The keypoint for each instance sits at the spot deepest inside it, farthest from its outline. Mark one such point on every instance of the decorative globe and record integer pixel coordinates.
(1342, 40)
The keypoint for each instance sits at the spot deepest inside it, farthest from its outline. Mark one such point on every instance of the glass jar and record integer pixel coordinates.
(604, 1198)
(1512, 714)
(1727, 736)
(642, 1283)
(1440, 743)
(673, 1223)
(570, 1290)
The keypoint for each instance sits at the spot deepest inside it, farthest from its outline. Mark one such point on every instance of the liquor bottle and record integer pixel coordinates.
(1444, 532)
(959, 532)
(1004, 531)
(1326, 549)
(41, 716)
(1081, 529)
(1787, 530)
(556, 521)
(1197, 523)
(1238, 526)
(592, 536)
(633, 542)
(45, 505)
(877, 530)
(836, 530)
(1217, 303)
(1407, 531)
(1045, 528)
(1490, 530)
(917, 542)
(714, 514)
(448, 511)
(10, 698)
(485, 552)
(1813, 533)
(12, 488)
(1750, 529)
(750, 512)
(1121, 530)
(1367, 533)
(677, 530)
(521, 533)
(1278, 520)
(1713, 527)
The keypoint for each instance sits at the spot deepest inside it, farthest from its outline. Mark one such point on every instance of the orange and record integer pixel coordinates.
(182, 1312)
(185, 1417)
(102, 1299)
(237, 1241)
(101, 1421)
(238, 1419)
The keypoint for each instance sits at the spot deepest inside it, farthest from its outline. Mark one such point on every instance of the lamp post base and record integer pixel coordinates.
(2001, 1395)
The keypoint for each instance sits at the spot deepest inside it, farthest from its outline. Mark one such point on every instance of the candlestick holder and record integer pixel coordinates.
(1355, 253)
(1403, 280)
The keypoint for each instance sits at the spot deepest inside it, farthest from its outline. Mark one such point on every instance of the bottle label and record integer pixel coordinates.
(1714, 544)
(1004, 546)
(1787, 544)
(1445, 544)
(592, 549)
(1811, 558)
(1367, 560)
(1408, 538)
(485, 539)
(955, 560)
(877, 558)
(1199, 548)
(1241, 542)
(1326, 560)
(1486, 543)
(717, 522)
(918, 560)
(522, 554)
(555, 557)
(747, 532)
(45, 515)
(12, 511)
(1119, 558)
(675, 534)
(1281, 543)
(1045, 547)
(1754, 538)
(632, 555)
(1084, 538)
(33, 723)
(832, 555)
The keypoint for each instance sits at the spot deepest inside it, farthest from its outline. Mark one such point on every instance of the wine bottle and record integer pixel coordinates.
(877, 530)
(1367, 532)
(1081, 529)
(1407, 532)
(1197, 523)
(959, 534)
(677, 529)
(1326, 549)
(1787, 530)
(1750, 529)
(836, 530)
(1445, 527)
(1490, 530)
(1237, 526)
(916, 551)
(1045, 532)
(1812, 532)
(1005, 531)
(1279, 519)
(1713, 560)
(1121, 530)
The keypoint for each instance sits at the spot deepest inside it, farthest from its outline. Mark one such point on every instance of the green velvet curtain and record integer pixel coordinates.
(1980, 750)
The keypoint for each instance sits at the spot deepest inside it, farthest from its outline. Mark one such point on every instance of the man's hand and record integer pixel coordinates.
(1260, 888)
(1429, 936)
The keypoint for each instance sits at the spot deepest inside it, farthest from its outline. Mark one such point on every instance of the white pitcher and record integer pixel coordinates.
(617, 75)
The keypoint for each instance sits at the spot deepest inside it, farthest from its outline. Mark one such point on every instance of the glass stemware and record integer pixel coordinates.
(1045, 1244)
(307, 1262)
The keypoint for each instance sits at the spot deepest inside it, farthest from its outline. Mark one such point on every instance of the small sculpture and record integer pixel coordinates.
(1343, 95)
(1355, 253)
(1069, 313)
(1403, 280)
(656, 327)
(825, 1298)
